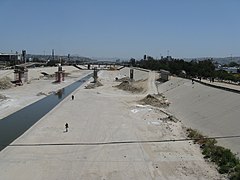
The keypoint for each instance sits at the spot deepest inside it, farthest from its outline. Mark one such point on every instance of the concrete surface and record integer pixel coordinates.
(213, 111)
(105, 114)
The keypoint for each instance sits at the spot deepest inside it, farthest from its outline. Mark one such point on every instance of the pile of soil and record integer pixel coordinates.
(129, 86)
(47, 76)
(112, 68)
(5, 83)
(2, 97)
(93, 85)
(155, 100)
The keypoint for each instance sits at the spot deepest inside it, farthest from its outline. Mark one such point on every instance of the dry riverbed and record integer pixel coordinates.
(103, 114)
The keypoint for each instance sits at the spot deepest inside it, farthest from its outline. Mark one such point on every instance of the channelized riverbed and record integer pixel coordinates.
(14, 125)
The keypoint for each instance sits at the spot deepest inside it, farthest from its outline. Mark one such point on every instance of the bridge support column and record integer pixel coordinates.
(95, 76)
(131, 74)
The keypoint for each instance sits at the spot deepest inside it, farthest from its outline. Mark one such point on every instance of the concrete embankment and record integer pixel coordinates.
(214, 112)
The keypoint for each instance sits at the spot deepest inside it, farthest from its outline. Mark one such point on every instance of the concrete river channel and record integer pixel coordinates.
(14, 125)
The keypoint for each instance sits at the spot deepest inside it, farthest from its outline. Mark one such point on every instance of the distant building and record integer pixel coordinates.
(53, 55)
(233, 70)
(10, 59)
(169, 58)
(164, 75)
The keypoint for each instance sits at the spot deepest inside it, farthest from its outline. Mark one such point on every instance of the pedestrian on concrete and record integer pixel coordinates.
(66, 126)
(72, 97)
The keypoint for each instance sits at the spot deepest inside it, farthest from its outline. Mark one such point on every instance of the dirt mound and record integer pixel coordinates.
(155, 100)
(112, 68)
(5, 83)
(93, 85)
(47, 76)
(130, 86)
(2, 97)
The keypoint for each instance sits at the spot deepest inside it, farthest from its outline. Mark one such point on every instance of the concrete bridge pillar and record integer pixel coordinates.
(95, 76)
(131, 74)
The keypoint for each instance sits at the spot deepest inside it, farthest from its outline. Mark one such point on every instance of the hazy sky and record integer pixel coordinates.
(121, 28)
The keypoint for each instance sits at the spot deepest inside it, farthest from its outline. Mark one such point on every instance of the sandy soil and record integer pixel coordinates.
(104, 114)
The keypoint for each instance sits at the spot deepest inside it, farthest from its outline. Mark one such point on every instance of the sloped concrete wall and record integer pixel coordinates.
(214, 112)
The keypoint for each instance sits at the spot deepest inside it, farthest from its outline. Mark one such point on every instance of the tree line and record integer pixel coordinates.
(179, 67)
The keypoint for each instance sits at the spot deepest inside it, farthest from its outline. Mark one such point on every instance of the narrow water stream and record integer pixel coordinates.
(14, 125)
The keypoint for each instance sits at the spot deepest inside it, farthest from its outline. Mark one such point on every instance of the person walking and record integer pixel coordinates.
(66, 127)
(72, 97)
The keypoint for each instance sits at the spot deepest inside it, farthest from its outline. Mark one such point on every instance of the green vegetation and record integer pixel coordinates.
(227, 162)
(233, 64)
(194, 68)
(176, 66)
(224, 75)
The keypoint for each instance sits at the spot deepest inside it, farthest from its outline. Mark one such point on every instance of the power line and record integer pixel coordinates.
(119, 142)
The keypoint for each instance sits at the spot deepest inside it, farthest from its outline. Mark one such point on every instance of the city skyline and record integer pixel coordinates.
(123, 29)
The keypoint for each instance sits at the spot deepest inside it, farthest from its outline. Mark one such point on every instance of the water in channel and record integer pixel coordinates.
(14, 125)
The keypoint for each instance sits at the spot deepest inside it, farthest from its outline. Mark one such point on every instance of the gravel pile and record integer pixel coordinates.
(2, 97)
(155, 100)
(5, 83)
(93, 85)
(129, 86)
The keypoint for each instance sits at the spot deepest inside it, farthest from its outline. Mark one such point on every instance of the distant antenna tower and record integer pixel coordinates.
(52, 54)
